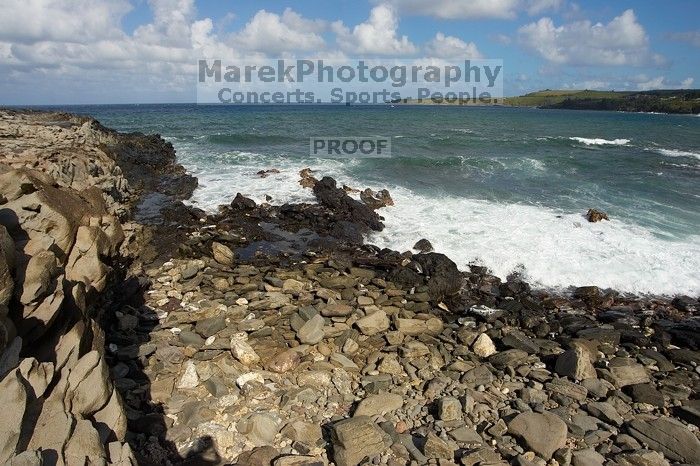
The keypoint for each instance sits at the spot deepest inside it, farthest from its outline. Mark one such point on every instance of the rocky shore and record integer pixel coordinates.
(136, 330)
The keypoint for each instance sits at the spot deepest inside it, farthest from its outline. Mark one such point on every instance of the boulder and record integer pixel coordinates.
(595, 215)
(575, 363)
(423, 245)
(443, 277)
(222, 254)
(544, 433)
(346, 208)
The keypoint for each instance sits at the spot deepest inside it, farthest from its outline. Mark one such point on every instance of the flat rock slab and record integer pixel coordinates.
(379, 404)
(669, 436)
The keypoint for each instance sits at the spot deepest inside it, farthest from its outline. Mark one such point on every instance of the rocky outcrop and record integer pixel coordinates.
(595, 215)
(64, 199)
(59, 246)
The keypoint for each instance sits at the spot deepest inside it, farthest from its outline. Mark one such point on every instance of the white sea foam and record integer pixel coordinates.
(678, 153)
(553, 249)
(600, 141)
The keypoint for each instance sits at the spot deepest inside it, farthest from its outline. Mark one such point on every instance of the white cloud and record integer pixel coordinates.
(443, 46)
(622, 41)
(83, 21)
(459, 9)
(654, 83)
(473, 9)
(271, 33)
(644, 83)
(536, 7)
(171, 23)
(377, 35)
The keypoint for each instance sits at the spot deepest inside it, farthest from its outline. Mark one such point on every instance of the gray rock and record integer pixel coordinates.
(587, 457)
(626, 371)
(466, 435)
(259, 428)
(259, 456)
(508, 358)
(379, 404)
(669, 436)
(449, 409)
(647, 393)
(336, 310)
(355, 439)
(191, 339)
(190, 270)
(518, 340)
(641, 458)
(373, 323)
(542, 433)
(435, 447)
(222, 254)
(312, 331)
(569, 389)
(606, 412)
(575, 363)
(597, 388)
(210, 326)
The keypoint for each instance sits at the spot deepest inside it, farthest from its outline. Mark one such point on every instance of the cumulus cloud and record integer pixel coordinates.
(459, 9)
(82, 21)
(378, 35)
(622, 41)
(442, 46)
(171, 24)
(644, 83)
(271, 33)
(473, 9)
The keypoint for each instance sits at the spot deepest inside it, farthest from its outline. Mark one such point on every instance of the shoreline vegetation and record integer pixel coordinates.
(135, 329)
(681, 101)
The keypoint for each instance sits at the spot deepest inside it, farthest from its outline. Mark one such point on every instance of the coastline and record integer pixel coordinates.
(225, 325)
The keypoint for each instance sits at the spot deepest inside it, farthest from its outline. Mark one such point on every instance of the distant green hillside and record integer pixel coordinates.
(664, 101)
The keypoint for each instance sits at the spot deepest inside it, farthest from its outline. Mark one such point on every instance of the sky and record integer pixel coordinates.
(146, 51)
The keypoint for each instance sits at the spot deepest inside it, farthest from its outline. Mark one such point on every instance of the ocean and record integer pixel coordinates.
(501, 187)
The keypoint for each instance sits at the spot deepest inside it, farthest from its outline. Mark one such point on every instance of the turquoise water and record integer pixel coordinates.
(502, 187)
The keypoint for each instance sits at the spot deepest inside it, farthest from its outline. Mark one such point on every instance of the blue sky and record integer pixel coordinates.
(128, 51)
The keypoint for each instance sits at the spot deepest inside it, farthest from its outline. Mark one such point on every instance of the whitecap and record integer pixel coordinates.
(677, 153)
(600, 141)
